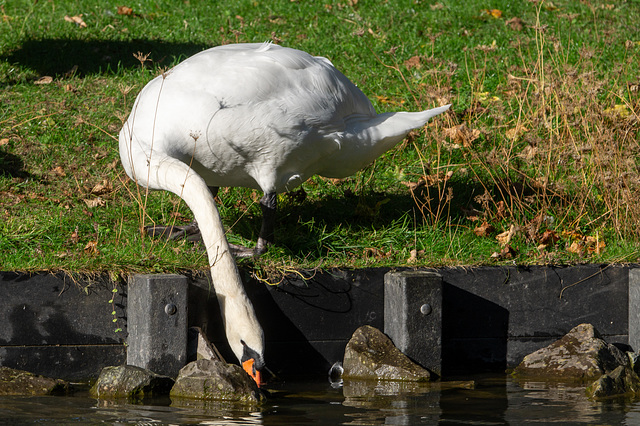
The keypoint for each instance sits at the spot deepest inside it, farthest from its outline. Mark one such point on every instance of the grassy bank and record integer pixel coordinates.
(537, 162)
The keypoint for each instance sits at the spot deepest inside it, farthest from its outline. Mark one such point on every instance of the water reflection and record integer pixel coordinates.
(483, 400)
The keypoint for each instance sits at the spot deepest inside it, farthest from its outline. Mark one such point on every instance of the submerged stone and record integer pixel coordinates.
(622, 380)
(370, 354)
(207, 379)
(130, 382)
(580, 355)
(19, 382)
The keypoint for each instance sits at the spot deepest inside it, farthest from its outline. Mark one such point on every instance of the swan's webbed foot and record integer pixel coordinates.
(190, 232)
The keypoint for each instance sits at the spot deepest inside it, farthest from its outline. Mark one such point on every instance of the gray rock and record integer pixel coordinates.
(129, 382)
(207, 379)
(370, 354)
(621, 381)
(19, 382)
(581, 355)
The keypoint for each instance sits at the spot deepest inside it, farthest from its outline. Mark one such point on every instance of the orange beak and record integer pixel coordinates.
(249, 367)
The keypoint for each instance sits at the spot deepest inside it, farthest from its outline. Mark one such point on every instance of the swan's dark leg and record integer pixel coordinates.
(269, 204)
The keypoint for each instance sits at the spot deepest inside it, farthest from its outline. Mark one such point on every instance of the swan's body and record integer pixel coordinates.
(252, 115)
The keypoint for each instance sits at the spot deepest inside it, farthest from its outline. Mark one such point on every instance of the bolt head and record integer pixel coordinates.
(425, 309)
(170, 309)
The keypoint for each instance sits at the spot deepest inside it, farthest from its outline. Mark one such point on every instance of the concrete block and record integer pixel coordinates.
(157, 323)
(634, 308)
(413, 315)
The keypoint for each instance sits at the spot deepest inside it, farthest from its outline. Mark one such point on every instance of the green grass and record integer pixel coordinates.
(548, 94)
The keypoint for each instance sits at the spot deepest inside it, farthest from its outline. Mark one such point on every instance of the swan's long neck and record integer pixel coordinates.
(241, 324)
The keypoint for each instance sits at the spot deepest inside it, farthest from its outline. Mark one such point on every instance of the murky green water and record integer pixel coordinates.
(486, 400)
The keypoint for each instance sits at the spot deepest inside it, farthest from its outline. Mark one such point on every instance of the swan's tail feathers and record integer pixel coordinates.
(387, 129)
(430, 113)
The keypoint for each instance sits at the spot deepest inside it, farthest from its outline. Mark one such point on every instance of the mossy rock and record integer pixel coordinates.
(371, 355)
(131, 383)
(19, 382)
(213, 380)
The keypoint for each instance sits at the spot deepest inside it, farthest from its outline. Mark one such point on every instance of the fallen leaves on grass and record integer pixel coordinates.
(76, 20)
(102, 188)
(58, 171)
(462, 135)
(95, 202)
(507, 252)
(586, 245)
(494, 13)
(515, 24)
(484, 230)
(125, 10)
(413, 62)
(549, 237)
(517, 131)
(376, 253)
(91, 247)
(413, 256)
(504, 238)
(618, 110)
(46, 79)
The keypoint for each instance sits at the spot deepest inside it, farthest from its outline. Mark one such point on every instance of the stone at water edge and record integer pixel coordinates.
(130, 382)
(622, 380)
(370, 354)
(19, 382)
(207, 379)
(580, 355)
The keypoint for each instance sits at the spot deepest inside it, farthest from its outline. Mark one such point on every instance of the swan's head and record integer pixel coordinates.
(244, 335)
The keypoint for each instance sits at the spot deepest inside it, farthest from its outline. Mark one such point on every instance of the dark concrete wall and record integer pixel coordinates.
(54, 325)
(491, 316)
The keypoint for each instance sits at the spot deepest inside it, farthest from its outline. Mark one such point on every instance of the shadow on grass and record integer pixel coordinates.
(305, 227)
(57, 57)
(11, 165)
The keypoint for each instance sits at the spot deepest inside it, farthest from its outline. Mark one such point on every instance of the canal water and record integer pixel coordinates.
(481, 400)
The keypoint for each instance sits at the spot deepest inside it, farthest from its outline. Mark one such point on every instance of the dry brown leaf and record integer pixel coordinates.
(462, 135)
(413, 256)
(413, 62)
(577, 247)
(515, 23)
(415, 185)
(501, 210)
(484, 230)
(91, 247)
(4, 141)
(95, 202)
(46, 79)
(102, 188)
(125, 10)
(507, 252)
(74, 236)
(504, 238)
(58, 171)
(549, 237)
(494, 13)
(595, 245)
(76, 20)
(516, 132)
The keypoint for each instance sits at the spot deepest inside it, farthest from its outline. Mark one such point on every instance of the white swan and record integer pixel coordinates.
(252, 115)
